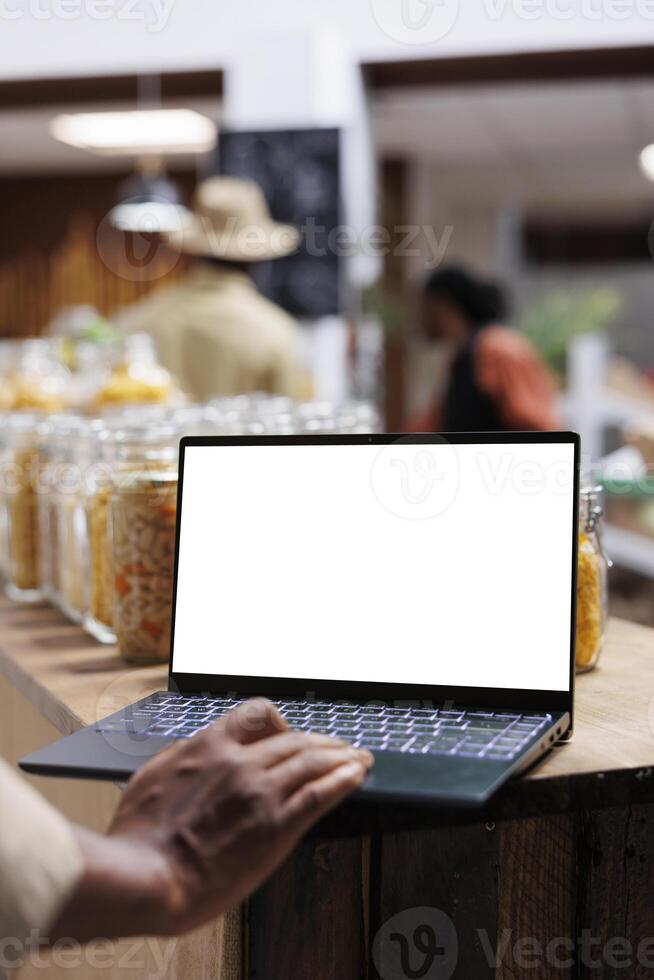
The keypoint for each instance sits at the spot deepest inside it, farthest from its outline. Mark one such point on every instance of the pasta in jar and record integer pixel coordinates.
(144, 507)
(591, 584)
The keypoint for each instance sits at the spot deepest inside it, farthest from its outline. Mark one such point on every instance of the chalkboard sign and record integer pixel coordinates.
(298, 171)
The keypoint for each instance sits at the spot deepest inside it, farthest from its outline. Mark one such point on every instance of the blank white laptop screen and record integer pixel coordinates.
(409, 564)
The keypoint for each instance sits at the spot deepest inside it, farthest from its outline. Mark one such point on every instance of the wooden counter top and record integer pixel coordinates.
(73, 681)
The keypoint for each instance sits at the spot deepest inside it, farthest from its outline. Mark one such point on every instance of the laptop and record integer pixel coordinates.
(414, 595)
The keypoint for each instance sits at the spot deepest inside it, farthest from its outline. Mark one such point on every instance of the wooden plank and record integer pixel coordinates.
(537, 891)
(308, 919)
(433, 899)
(616, 902)
(68, 676)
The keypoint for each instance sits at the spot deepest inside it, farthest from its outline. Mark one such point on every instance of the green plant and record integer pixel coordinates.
(388, 307)
(559, 316)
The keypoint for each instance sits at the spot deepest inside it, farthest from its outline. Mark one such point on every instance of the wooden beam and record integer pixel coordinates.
(532, 66)
(35, 92)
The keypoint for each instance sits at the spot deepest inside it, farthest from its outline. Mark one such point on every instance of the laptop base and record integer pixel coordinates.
(396, 776)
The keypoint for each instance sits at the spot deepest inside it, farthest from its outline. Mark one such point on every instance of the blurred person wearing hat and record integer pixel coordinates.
(214, 331)
(496, 379)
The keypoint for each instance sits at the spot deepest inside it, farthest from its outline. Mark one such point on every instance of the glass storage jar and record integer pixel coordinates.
(143, 514)
(53, 431)
(5, 421)
(144, 510)
(21, 478)
(98, 618)
(38, 381)
(8, 349)
(71, 469)
(592, 581)
(133, 376)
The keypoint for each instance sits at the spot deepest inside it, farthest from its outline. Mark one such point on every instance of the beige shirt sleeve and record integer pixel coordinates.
(40, 861)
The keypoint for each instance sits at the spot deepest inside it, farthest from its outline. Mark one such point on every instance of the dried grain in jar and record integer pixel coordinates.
(144, 508)
(21, 468)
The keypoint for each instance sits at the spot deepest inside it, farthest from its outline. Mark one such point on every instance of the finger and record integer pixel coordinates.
(272, 751)
(316, 799)
(253, 720)
(306, 767)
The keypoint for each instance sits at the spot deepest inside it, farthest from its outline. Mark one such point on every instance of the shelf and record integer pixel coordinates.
(629, 549)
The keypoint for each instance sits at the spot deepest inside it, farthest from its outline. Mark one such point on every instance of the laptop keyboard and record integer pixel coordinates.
(448, 731)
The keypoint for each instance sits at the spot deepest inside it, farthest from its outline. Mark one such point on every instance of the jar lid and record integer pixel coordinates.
(139, 431)
(590, 508)
(23, 421)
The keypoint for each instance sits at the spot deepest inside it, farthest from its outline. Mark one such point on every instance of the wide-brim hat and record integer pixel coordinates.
(230, 220)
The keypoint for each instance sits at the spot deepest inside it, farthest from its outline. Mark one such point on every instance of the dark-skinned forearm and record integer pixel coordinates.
(125, 890)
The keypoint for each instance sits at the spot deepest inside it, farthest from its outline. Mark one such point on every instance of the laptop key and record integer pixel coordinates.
(372, 741)
(445, 744)
(491, 724)
(509, 743)
(421, 744)
(396, 743)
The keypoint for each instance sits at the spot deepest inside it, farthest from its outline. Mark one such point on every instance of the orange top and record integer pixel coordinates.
(510, 372)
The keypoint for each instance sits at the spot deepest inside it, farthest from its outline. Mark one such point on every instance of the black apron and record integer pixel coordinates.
(467, 408)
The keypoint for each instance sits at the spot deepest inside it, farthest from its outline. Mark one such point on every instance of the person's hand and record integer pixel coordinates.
(204, 823)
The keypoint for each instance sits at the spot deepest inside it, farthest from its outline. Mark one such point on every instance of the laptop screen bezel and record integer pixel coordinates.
(276, 687)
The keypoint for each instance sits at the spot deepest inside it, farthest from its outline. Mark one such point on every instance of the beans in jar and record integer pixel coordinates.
(144, 508)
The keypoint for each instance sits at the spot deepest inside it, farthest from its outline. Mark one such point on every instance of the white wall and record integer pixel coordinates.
(67, 37)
